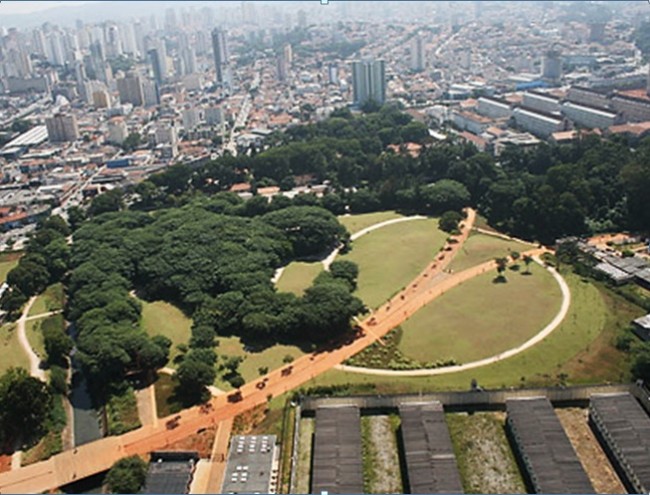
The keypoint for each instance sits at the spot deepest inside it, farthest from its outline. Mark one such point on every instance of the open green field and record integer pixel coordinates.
(481, 318)
(298, 276)
(52, 299)
(580, 350)
(11, 354)
(35, 337)
(162, 318)
(482, 247)
(389, 258)
(355, 223)
(7, 262)
(271, 357)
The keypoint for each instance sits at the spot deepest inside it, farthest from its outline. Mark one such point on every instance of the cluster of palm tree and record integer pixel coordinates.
(502, 264)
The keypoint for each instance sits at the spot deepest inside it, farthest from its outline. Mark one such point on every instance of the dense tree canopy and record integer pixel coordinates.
(127, 475)
(25, 403)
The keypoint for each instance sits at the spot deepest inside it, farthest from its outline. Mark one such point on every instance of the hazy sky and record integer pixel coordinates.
(19, 7)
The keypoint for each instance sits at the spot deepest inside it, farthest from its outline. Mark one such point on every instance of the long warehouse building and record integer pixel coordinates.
(543, 448)
(624, 428)
(430, 460)
(337, 458)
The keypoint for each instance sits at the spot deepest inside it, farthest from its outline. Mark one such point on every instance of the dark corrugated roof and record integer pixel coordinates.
(547, 453)
(626, 426)
(338, 463)
(429, 454)
(170, 472)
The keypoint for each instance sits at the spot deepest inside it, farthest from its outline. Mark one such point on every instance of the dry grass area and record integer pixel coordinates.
(201, 443)
(591, 455)
(484, 458)
(380, 456)
(303, 466)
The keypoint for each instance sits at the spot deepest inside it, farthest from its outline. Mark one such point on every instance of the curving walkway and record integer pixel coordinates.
(335, 252)
(332, 256)
(545, 332)
(34, 361)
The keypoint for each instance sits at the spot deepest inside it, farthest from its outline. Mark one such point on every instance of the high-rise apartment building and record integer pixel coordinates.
(130, 89)
(61, 128)
(220, 52)
(552, 66)
(369, 81)
(418, 60)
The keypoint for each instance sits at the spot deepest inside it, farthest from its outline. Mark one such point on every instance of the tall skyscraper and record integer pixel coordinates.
(369, 81)
(220, 51)
(417, 53)
(156, 65)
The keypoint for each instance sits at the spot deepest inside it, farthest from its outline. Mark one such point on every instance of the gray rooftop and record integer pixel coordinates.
(337, 458)
(430, 459)
(631, 265)
(170, 472)
(250, 464)
(627, 427)
(551, 462)
(612, 272)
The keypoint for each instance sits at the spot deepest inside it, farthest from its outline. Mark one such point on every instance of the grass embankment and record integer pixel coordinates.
(122, 412)
(390, 257)
(481, 318)
(7, 262)
(298, 276)
(485, 460)
(303, 465)
(381, 467)
(11, 354)
(162, 318)
(482, 247)
(355, 223)
(254, 359)
(52, 299)
(580, 350)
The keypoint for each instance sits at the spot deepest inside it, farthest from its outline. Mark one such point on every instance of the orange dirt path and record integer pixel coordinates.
(100, 455)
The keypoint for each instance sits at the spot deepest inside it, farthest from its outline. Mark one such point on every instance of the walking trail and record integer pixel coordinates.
(545, 332)
(332, 256)
(34, 361)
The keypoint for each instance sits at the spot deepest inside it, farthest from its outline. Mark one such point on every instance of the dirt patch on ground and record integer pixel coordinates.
(380, 457)
(5, 463)
(201, 442)
(245, 422)
(303, 466)
(484, 458)
(591, 455)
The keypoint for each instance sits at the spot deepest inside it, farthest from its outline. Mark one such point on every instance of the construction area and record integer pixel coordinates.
(588, 442)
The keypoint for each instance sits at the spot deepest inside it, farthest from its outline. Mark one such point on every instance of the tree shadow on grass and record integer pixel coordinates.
(500, 279)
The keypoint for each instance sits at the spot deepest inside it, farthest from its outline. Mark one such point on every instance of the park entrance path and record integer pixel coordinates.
(100, 455)
(34, 361)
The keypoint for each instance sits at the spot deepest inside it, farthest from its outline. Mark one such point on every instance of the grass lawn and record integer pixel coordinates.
(122, 412)
(166, 401)
(7, 262)
(162, 318)
(52, 299)
(580, 349)
(481, 247)
(389, 258)
(271, 357)
(11, 354)
(355, 223)
(35, 337)
(481, 318)
(298, 276)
